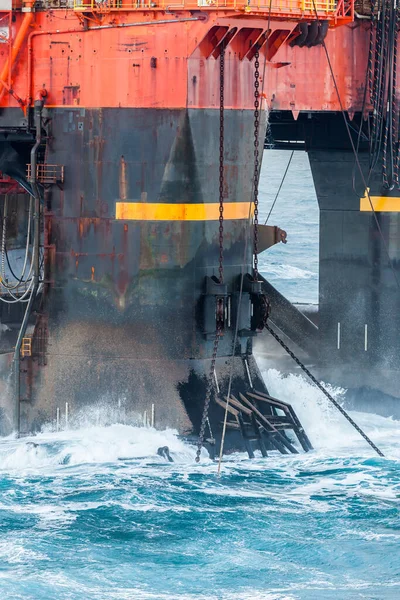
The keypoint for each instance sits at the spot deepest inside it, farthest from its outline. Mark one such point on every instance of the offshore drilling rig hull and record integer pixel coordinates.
(357, 343)
(121, 320)
(126, 314)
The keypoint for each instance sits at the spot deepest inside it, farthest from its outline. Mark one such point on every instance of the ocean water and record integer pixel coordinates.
(293, 267)
(95, 514)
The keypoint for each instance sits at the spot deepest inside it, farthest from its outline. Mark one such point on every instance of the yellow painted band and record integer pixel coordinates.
(143, 211)
(380, 203)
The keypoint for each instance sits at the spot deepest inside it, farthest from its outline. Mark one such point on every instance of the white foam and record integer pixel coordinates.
(329, 432)
(92, 445)
(14, 553)
(283, 271)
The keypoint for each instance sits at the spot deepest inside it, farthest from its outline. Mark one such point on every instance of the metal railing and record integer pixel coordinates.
(47, 174)
(312, 9)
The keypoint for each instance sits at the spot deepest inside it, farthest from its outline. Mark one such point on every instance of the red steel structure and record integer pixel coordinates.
(83, 55)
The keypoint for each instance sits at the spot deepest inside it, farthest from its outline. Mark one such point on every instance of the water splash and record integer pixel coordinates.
(328, 430)
(92, 445)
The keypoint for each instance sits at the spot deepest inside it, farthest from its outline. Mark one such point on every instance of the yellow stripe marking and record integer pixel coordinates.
(380, 203)
(143, 211)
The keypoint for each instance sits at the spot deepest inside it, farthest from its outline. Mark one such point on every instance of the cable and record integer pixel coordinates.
(280, 187)
(9, 289)
(3, 249)
(234, 344)
(11, 269)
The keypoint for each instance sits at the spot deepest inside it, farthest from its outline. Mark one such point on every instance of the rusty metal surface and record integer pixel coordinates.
(174, 66)
(119, 318)
(269, 235)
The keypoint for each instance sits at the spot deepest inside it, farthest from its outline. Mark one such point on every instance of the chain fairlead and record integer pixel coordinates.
(261, 310)
(256, 157)
(220, 306)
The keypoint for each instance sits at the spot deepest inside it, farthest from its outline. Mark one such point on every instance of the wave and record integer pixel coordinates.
(98, 444)
(283, 271)
(329, 432)
(95, 513)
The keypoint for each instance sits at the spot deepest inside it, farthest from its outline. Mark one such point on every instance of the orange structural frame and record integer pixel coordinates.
(144, 55)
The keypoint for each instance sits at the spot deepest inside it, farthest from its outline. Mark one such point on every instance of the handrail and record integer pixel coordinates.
(310, 9)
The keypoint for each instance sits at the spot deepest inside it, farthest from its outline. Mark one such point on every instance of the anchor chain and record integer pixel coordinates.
(323, 390)
(204, 418)
(221, 162)
(220, 307)
(258, 299)
(256, 157)
(396, 108)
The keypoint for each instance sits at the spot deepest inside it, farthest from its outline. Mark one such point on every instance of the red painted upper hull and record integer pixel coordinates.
(159, 60)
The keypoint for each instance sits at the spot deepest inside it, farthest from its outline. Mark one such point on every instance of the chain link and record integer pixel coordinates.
(386, 59)
(323, 390)
(221, 162)
(256, 157)
(377, 97)
(204, 418)
(396, 111)
(371, 58)
(220, 307)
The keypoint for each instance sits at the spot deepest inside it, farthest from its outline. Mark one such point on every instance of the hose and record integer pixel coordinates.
(4, 257)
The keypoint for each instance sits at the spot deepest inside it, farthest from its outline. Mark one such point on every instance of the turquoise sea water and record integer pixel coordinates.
(95, 514)
(293, 267)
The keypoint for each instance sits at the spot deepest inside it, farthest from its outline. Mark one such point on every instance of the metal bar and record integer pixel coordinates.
(268, 426)
(259, 436)
(248, 372)
(246, 440)
(216, 381)
(279, 8)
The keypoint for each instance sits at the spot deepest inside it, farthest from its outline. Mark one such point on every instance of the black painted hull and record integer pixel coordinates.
(358, 342)
(120, 321)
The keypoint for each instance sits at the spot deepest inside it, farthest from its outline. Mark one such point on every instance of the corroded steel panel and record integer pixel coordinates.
(131, 61)
(124, 299)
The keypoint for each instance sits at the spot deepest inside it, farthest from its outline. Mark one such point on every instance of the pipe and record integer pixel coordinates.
(363, 17)
(96, 28)
(16, 46)
(36, 258)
